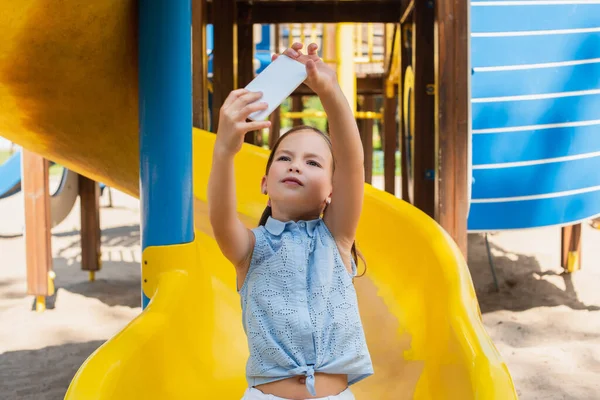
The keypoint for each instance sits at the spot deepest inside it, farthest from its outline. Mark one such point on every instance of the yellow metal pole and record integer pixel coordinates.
(345, 61)
(370, 41)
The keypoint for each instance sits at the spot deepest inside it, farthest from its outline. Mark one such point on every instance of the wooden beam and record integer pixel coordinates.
(200, 66)
(224, 54)
(38, 248)
(571, 248)
(452, 86)
(319, 11)
(89, 197)
(245, 64)
(367, 85)
(424, 93)
(366, 134)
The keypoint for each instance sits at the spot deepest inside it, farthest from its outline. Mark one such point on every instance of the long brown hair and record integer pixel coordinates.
(356, 254)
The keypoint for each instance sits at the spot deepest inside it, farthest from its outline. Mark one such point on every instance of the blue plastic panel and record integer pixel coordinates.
(539, 130)
(533, 17)
(10, 176)
(536, 179)
(506, 114)
(533, 213)
(541, 144)
(536, 81)
(517, 50)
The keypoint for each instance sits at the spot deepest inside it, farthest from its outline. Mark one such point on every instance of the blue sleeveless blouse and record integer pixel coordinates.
(299, 307)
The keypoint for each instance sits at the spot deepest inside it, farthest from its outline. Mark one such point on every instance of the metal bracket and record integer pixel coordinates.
(430, 89)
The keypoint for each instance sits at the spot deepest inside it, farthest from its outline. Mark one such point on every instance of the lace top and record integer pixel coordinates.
(299, 307)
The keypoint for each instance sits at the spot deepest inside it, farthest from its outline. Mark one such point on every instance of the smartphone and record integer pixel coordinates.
(276, 82)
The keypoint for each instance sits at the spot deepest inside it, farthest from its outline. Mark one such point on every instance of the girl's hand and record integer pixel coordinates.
(321, 77)
(233, 117)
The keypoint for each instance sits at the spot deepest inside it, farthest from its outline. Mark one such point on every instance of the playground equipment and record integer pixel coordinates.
(29, 172)
(130, 129)
(535, 102)
(61, 201)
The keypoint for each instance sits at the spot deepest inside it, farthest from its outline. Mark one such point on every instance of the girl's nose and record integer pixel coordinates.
(294, 168)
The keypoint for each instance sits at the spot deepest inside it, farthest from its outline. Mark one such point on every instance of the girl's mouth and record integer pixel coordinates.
(292, 181)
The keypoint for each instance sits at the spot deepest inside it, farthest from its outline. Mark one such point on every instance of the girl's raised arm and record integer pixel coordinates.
(343, 213)
(234, 239)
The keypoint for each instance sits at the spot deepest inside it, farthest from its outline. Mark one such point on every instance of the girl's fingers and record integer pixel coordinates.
(256, 125)
(245, 99)
(250, 108)
(297, 46)
(274, 57)
(312, 49)
(311, 69)
(233, 96)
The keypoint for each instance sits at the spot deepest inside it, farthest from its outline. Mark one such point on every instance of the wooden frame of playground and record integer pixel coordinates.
(441, 94)
(433, 39)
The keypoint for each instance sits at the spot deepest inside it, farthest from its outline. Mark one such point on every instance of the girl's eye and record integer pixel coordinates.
(283, 158)
(314, 164)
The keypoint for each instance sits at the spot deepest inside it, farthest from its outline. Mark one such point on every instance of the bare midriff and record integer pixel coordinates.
(295, 388)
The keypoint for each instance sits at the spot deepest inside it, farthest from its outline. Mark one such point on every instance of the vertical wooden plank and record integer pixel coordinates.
(405, 59)
(245, 64)
(89, 197)
(571, 248)
(37, 224)
(390, 132)
(423, 67)
(200, 67)
(297, 106)
(224, 54)
(275, 128)
(366, 134)
(452, 83)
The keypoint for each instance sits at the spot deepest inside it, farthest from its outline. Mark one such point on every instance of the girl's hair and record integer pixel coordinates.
(356, 254)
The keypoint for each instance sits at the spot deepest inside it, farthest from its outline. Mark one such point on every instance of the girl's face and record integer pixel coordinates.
(299, 180)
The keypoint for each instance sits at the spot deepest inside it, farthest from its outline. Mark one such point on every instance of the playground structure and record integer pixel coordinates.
(29, 172)
(186, 343)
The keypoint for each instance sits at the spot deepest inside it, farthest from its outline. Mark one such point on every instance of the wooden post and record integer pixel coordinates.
(200, 67)
(424, 93)
(405, 58)
(366, 133)
(224, 54)
(571, 248)
(37, 228)
(390, 132)
(245, 65)
(275, 128)
(89, 197)
(452, 91)
(297, 106)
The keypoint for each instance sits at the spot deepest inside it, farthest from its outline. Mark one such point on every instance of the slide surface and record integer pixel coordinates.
(68, 90)
(416, 300)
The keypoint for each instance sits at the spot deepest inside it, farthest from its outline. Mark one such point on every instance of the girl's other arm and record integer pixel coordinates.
(234, 239)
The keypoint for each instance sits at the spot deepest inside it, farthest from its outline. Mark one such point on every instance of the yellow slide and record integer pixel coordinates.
(68, 90)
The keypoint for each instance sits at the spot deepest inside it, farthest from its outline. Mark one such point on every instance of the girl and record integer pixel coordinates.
(295, 270)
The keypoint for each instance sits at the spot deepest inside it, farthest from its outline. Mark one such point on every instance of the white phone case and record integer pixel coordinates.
(277, 82)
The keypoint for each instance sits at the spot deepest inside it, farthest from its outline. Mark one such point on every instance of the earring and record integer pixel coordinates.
(328, 201)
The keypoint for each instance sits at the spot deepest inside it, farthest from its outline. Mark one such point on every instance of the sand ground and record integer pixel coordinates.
(545, 324)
